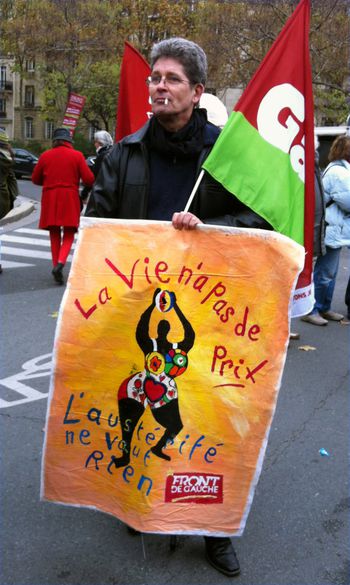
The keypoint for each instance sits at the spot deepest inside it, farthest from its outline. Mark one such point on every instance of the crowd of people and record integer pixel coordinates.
(150, 175)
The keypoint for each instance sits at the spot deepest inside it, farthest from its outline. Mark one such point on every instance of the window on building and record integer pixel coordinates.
(2, 107)
(2, 76)
(29, 95)
(28, 128)
(92, 131)
(30, 65)
(49, 128)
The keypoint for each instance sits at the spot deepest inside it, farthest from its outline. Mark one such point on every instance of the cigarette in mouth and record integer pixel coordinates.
(166, 101)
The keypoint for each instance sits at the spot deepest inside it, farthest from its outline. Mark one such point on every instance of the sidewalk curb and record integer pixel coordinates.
(23, 207)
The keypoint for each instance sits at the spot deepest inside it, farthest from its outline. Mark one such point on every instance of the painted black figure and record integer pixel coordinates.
(155, 385)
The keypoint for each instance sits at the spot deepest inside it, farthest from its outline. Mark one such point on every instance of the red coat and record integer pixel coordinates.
(59, 171)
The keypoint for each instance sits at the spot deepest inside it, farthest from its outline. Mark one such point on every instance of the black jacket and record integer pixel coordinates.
(95, 169)
(99, 158)
(122, 186)
(320, 213)
(8, 183)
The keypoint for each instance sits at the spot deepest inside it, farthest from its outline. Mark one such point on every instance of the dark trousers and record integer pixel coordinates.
(347, 298)
(325, 274)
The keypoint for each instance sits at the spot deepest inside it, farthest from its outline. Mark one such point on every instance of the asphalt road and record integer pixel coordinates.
(27, 189)
(298, 528)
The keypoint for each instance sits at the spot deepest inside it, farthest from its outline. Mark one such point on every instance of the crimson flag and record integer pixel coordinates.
(133, 106)
(265, 154)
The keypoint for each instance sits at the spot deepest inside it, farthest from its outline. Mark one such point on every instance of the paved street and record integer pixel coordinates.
(28, 189)
(297, 531)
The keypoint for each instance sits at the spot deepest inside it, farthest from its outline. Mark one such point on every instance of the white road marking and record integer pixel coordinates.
(22, 240)
(30, 251)
(36, 232)
(44, 233)
(31, 369)
(8, 264)
(25, 253)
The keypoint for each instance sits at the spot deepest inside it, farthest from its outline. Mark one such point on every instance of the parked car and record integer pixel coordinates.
(25, 162)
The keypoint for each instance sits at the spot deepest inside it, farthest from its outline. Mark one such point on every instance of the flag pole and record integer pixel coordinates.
(194, 191)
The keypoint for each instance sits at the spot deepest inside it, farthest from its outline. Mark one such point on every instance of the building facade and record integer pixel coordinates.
(20, 106)
(7, 115)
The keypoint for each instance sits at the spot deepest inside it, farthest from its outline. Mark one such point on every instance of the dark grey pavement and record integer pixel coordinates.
(298, 529)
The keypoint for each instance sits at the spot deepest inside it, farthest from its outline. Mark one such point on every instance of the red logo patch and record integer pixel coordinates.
(196, 488)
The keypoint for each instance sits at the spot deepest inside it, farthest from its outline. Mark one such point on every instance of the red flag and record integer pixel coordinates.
(133, 106)
(265, 154)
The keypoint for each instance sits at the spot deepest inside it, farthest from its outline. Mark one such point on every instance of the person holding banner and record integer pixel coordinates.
(60, 170)
(160, 162)
(150, 175)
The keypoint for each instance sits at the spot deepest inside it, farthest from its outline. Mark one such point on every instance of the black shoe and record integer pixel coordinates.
(221, 555)
(132, 531)
(57, 273)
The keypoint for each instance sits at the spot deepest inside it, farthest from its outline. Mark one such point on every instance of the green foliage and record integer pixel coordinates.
(33, 146)
(149, 21)
(80, 142)
(54, 95)
(237, 35)
(78, 45)
(100, 88)
(333, 105)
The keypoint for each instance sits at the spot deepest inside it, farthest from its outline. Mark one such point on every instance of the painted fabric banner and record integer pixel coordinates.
(73, 112)
(168, 357)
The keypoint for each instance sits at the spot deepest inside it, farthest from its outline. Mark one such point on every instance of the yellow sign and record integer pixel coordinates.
(169, 353)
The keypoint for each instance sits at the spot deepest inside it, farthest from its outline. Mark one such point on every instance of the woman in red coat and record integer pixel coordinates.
(59, 171)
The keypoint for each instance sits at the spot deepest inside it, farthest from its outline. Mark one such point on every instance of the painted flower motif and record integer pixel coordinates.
(155, 364)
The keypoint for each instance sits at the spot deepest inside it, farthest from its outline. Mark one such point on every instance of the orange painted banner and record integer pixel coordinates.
(168, 357)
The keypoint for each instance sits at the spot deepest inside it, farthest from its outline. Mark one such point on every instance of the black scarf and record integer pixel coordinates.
(184, 142)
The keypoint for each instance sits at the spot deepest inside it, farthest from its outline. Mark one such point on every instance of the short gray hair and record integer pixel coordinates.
(103, 137)
(189, 54)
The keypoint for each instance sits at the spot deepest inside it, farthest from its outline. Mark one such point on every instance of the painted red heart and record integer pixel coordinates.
(154, 390)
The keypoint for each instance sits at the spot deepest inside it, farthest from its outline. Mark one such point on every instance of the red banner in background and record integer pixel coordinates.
(133, 107)
(73, 111)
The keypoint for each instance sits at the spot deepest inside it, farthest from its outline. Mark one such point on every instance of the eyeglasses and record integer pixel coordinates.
(170, 79)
